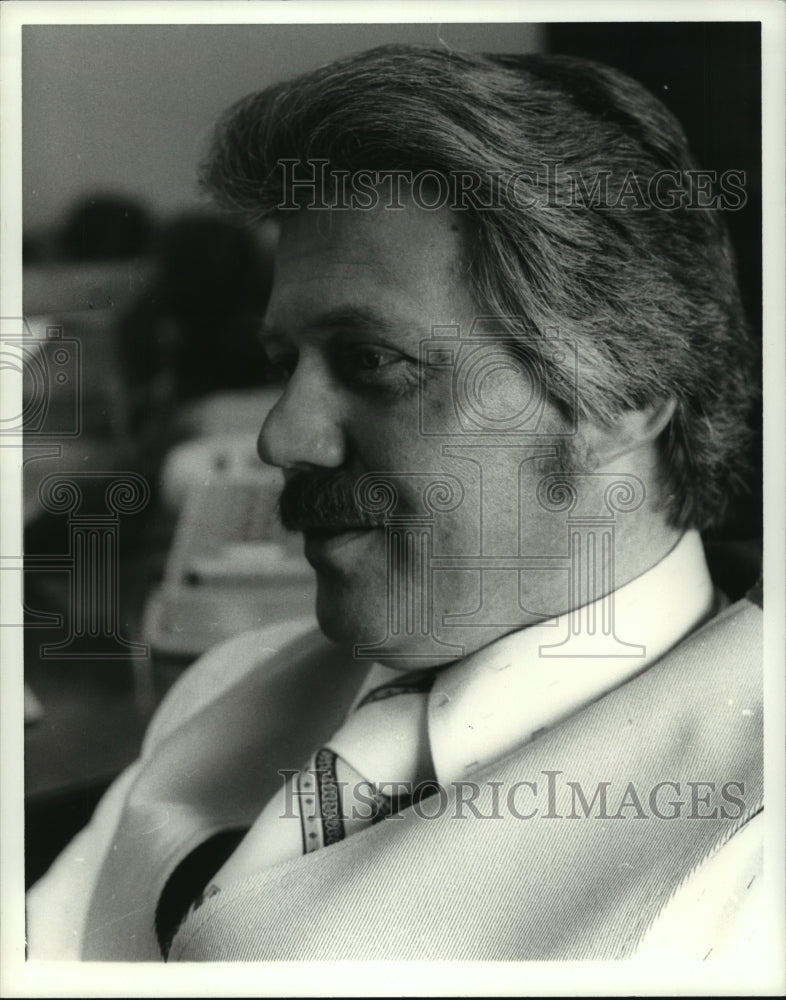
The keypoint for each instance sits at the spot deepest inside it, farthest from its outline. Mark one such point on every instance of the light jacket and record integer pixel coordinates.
(492, 883)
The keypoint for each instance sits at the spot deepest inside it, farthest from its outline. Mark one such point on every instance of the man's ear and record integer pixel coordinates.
(629, 431)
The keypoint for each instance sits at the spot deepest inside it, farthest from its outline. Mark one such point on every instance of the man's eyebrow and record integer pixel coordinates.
(350, 318)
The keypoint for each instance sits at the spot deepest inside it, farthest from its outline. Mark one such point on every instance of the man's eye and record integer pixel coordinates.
(376, 368)
(369, 359)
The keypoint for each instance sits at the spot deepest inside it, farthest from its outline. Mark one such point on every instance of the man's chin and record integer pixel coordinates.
(352, 622)
(346, 621)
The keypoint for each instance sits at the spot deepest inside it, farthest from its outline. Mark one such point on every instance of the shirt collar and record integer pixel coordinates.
(505, 694)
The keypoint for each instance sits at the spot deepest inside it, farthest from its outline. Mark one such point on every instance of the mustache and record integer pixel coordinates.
(323, 500)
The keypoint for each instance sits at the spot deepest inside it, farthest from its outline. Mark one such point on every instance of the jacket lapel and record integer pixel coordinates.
(470, 883)
(490, 885)
(216, 770)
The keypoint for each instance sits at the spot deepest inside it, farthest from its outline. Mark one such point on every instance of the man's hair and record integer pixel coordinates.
(647, 293)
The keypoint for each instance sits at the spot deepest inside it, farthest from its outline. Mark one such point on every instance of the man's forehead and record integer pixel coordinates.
(347, 316)
(409, 236)
(405, 260)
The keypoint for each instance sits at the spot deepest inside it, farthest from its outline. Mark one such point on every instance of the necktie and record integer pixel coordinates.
(366, 771)
(371, 767)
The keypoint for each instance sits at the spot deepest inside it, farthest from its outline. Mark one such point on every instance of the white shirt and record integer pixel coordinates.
(511, 691)
(505, 694)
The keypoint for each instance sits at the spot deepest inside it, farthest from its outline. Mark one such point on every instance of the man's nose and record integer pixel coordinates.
(304, 429)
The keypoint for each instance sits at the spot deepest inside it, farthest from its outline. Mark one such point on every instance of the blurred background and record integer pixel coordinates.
(141, 361)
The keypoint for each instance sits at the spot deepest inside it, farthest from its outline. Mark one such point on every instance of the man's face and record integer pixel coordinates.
(355, 294)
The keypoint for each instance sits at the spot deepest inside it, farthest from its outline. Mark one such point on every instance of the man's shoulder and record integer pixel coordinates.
(225, 666)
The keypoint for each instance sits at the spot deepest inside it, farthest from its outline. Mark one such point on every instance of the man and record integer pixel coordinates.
(518, 378)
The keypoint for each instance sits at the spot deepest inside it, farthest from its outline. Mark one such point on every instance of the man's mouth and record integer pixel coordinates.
(324, 541)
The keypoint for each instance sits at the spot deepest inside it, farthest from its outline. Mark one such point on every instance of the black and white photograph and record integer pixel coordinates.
(393, 499)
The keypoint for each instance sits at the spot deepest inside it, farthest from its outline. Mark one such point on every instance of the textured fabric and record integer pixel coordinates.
(555, 886)
(213, 770)
(467, 883)
(485, 706)
(717, 912)
(347, 785)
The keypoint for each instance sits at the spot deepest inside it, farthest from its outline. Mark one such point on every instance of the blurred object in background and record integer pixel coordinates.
(34, 710)
(94, 264)
(226, 427)
(153, 361)
(194, 332)
(105, 227)
(67, 287)
(231, 566)
(100, 227)
(215, 284)
(229, 412)
(87, 268)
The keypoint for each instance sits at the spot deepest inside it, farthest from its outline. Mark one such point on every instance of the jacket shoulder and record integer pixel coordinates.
(218, 670)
